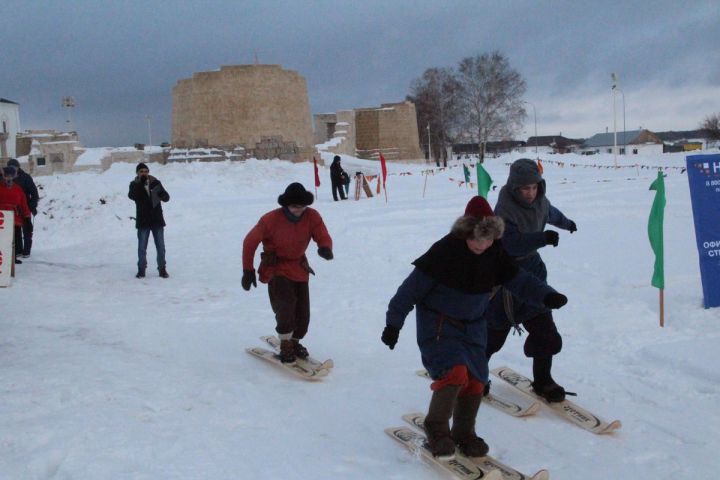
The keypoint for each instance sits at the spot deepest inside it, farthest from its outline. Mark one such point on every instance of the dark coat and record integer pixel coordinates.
(28, 186)
(522, 242)
(450, 289)
(148, 208)
(338, 176)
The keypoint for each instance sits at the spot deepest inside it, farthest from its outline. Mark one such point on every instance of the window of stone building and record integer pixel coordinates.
(40, 161)
(4, 127)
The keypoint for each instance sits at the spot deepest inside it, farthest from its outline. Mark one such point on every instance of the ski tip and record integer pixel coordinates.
(541, 475)
(614, 425)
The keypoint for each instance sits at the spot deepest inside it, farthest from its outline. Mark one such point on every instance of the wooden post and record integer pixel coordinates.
(662, 307)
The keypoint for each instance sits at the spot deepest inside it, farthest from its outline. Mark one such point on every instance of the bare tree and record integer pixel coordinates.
(491, 97)
(711, 125)
(435, 95)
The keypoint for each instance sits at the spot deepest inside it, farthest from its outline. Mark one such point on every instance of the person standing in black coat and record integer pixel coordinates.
(25, 181)
(338, 179)
(148, 193)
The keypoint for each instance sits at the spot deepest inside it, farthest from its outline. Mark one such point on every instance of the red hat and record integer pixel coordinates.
(478, 207)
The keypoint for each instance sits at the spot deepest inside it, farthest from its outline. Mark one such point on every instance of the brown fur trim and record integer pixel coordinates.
(478, 228)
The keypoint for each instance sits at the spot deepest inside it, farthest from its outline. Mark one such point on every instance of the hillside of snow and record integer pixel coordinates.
(104, 376)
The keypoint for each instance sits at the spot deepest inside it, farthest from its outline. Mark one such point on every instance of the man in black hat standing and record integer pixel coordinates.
(148, 193)
(25, 181)
(285, 234)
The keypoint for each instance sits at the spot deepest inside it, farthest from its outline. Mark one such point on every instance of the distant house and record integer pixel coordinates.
(553, 144)
(9, 128)
(686, 140)
(631, 142)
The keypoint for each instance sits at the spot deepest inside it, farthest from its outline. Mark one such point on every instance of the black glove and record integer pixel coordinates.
(325, 253)
(551, 238)
(248, 279)
(554, 300)
(572, 228)
(390, 336)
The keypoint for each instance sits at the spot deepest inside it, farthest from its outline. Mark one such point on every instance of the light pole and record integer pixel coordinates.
(614, 91)
(535, 118)
(149, 120)
(624, 142)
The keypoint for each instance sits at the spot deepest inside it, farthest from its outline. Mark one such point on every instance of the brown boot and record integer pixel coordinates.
(287, 351)
(463, 429)
(437, 421)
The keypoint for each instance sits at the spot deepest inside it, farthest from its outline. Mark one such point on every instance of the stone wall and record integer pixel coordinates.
(244, 105)
(390, 129)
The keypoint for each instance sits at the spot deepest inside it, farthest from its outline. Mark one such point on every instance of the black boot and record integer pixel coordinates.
(300, 351)
(287, 351)
(163, 272)
(437, 421)
(141, 273)
(543, 383)
(463, 429)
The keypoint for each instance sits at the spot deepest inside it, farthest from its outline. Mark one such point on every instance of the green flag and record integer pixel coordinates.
(655, 230)
(484, 181)
(466, 171)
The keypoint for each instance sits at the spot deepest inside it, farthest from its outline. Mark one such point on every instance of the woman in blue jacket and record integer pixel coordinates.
(450, 289)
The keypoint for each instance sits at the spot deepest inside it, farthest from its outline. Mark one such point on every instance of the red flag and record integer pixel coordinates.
(317, 176)
(540, 167)
(383, 167)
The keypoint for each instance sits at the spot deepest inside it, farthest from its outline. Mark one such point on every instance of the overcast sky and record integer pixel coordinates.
(120, 60)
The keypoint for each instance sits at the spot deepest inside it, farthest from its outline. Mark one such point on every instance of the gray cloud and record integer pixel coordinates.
(120, 60)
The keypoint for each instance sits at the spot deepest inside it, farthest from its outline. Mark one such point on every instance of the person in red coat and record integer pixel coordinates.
(13, 198)
(285, 234)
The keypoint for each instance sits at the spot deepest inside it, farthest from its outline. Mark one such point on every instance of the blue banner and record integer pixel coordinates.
(704, 177)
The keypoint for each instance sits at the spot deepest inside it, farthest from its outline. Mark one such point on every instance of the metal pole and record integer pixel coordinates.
(149, 119)
(624, 141)
(535, 119)
(614, 79)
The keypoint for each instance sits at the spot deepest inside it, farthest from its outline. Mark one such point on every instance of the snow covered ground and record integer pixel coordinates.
(103, 376)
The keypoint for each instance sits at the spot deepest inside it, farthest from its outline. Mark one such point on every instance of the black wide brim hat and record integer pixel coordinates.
(295, 194)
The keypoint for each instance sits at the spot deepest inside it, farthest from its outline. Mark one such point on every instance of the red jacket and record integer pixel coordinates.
(13, 198)
(287, 241)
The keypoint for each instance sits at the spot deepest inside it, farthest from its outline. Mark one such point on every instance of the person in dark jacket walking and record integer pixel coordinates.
(285, 234)
(31, 194)
(450, 288)
(148, 193)
(338, 179)
(526, 210)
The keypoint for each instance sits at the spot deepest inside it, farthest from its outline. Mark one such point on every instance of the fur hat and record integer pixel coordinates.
(478, 228)
(478, 207)
(295, 194)
(336, 158)
(140, 166)
(13, 163)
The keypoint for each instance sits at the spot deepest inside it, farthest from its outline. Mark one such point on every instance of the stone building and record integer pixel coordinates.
(262, 108)
(365, 132)
(44, 152)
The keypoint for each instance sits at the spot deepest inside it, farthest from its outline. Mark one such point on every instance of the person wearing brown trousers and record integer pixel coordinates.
(450, 289)
(285, 234)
